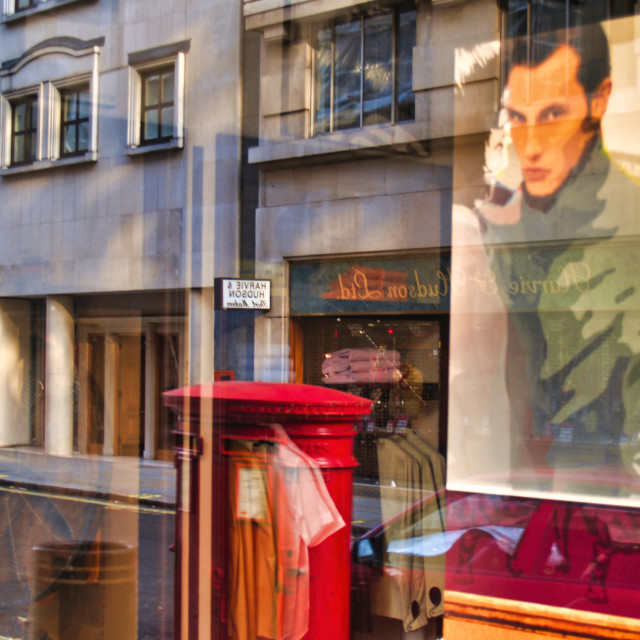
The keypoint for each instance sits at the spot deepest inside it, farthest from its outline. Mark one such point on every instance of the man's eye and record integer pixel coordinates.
(553, 114)
(516, 119)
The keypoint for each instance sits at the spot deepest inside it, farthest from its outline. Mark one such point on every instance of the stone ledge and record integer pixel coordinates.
(361, 141)
(40, 165)
(176, 144)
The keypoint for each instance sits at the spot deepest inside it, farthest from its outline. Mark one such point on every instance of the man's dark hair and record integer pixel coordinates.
(588, 41)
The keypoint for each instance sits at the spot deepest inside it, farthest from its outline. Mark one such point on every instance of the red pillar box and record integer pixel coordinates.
(264, 487)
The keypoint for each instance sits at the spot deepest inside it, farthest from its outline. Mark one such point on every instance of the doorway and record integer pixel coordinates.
(123, 369)
(129, 431)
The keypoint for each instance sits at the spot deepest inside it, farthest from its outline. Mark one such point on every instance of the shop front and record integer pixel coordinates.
(378, 328)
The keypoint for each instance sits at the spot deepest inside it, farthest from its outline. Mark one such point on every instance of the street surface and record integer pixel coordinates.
(28, 518)
(32, 517)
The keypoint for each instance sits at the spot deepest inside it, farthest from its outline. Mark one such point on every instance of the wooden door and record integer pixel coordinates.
(94, 394)
(129, 429)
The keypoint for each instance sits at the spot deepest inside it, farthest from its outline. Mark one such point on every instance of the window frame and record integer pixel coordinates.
(30, 134)
(11, 12)
(63, 93)
(141, 65)
(613, 8)
(48, 144)
(395, 13)
(53, 140)
(156, 107)
(30, 5)
(83, 73)
(7, 102)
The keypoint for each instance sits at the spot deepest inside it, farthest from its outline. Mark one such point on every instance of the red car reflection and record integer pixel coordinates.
(564, 554)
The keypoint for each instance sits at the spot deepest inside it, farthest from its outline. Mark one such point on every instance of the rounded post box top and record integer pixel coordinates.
(273, 399)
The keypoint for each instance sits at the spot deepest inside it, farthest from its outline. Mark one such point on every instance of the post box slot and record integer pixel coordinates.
(226, 450)
(187, 442)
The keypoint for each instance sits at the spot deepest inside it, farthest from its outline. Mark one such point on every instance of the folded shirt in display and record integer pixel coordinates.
(368, 366)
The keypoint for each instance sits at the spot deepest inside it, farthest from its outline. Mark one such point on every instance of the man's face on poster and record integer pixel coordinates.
(552, 119)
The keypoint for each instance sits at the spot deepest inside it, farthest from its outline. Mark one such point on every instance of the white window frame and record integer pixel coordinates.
(148, 60)
(49, 105)
(11, 14)
(394, 11)
(6, 117)
(55, 107)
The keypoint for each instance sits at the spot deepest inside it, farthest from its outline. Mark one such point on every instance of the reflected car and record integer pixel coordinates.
(563, 554)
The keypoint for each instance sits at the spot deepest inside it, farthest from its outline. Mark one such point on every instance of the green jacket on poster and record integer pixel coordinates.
(569, 277)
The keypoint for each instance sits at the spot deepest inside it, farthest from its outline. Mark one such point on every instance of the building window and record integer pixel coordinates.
(24, 130)
(156, 98)
(364, 71)
(75, 121)
(11, 10)
(156, 119)
(55, 124)
(23, 5)
(528, 23)
(532, 17)
(45, 122)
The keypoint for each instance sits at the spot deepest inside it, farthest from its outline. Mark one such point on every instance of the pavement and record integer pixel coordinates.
(149, 483)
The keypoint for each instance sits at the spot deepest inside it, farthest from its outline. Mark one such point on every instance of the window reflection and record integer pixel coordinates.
(348, 67)
(24, 130)
(364, 71)
(377, 73)
(74, 127)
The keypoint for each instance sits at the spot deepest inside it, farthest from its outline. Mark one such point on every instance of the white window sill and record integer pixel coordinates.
(341, 143)
(41, 165)
(42, 7)
(177, 143)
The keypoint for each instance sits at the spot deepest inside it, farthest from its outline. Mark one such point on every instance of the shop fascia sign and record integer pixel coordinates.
(420, 283)
(234, 293)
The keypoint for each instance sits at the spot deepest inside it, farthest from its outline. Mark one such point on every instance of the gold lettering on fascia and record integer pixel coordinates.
(379, 285)
(374, 284)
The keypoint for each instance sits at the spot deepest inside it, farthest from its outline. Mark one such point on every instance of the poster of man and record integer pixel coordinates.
(545, 337)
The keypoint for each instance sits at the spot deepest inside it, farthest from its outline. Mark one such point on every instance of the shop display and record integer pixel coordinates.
(279, 508)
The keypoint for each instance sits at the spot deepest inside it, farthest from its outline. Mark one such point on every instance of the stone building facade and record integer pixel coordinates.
(119, 182)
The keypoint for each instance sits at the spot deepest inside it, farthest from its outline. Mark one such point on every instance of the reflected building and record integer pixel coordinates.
(376, 162)
(376, 122)
(362, 137)
(119, 177)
